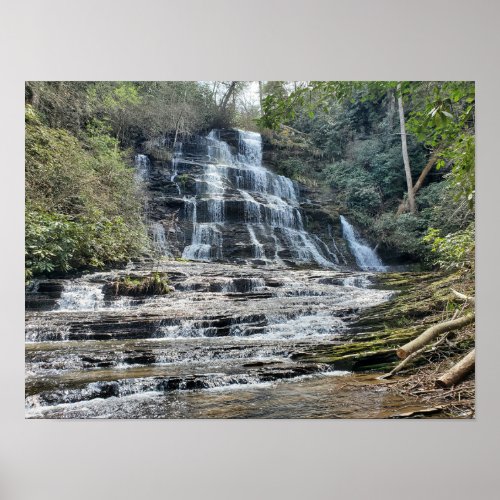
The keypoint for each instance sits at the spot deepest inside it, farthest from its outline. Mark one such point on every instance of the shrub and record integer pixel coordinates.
(455, 250)
(155, 284)
(402, 233)
(83, 207)
(356, 186)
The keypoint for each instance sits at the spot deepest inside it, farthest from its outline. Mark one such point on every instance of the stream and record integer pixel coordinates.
(222, 344)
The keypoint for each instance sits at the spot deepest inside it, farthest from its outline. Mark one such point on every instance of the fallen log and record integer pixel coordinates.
(421, 412)
(413, 356)
(461, 296)
(458, 372)
(432, 332)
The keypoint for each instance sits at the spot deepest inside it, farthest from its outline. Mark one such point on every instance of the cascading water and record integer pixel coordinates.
(206, 242)
(159, 237)
(234, 191)
(175, 160)
(95, 354)
(142, 167)
(366, 257)
(79, 296)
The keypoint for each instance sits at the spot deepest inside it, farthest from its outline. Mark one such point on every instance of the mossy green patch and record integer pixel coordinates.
(155, 284)
(371, 342)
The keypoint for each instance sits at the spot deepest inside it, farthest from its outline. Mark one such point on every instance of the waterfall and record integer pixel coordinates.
(206, 240)
(142, 167)
(175, 160)
(78, 296)
(234, 189)
(259, 252)
(366, 257)
(160, 242)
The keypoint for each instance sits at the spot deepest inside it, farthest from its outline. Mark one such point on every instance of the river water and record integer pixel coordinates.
(221, 344)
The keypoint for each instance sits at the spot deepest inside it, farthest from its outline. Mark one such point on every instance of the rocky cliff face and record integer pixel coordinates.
(230, 207)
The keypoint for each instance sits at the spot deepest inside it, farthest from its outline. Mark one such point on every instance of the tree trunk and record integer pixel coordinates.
(228, 95)
(261, 95)
(412, 357)
(458, 372)
(432, 332)
(404, 146)
(432, 160)
(461, 296)
(391, 108)
(214, 92)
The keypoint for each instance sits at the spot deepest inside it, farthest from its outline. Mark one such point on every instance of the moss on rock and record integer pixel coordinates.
(154, 284)
(371, 342)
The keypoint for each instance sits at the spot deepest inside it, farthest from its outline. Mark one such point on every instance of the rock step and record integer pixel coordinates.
(59, 391)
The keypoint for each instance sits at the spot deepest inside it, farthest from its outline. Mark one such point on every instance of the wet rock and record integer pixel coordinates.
(231, 325)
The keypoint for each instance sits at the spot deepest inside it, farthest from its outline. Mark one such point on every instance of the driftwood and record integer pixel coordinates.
(458, 372)
(421, 412)
(432, 332)
(413, 356)
(461, 296)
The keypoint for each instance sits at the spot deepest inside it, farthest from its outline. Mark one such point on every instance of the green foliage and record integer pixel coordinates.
(155, 284)
(292, 167)
(355, 186)
(445, 119)
(183, 179)
(50, 242)
(455, 250)
(59, 242)
(83, 208)
(402, 234)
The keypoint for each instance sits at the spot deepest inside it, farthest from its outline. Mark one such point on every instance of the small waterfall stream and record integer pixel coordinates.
(142, 167)
(366, 257)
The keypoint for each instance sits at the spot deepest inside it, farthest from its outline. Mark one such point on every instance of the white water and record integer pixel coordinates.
(366, 257)
(206, 241)
(175, 160)
(81, 296)
(159, 236)
(271, 212)
(142, 166)
(258, 247)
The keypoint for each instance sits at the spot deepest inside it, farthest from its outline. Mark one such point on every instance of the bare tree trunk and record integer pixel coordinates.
(412, 357)
(391, 107)
(214, 92)
(404, 146)
(228, 95)
(404, 205)
(261, 97)
(176, 134)
(458, 372)
(432, 332)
